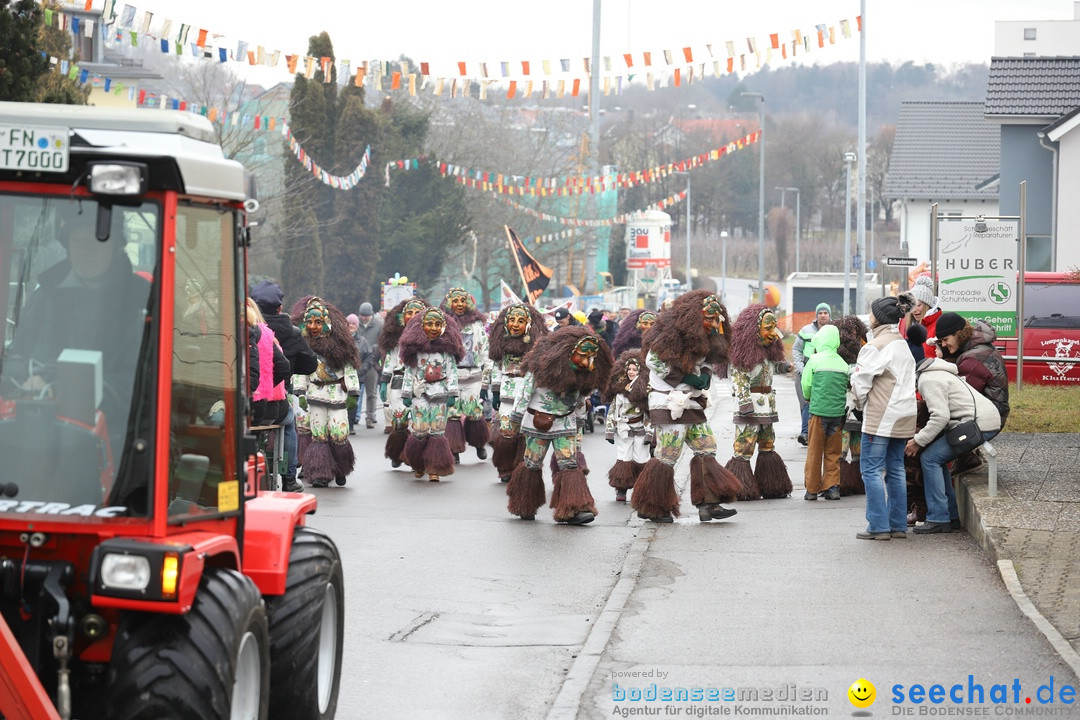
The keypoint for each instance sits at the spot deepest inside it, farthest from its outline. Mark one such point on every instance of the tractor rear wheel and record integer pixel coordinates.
(307, 626)
(212, 663)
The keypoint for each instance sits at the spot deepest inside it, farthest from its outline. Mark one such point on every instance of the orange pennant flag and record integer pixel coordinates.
(461, 68)
(360, 73)
(512, 90)
(424, 69)
(774, 38)
(783, 51)
(577, 87)
(629, 60)
(858, 22)
(648, 58)
(524, 67)
(731, 64)
(290, 63)
(202, 38)
(688, 54)
(395, 81)
(251, 57)
(677, 77)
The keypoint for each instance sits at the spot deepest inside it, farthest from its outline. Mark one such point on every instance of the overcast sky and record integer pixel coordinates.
(443, 32)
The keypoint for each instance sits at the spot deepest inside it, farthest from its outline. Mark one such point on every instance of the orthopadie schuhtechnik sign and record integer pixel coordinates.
(977, 271)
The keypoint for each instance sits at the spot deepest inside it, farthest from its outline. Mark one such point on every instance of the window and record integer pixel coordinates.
(1029, 33)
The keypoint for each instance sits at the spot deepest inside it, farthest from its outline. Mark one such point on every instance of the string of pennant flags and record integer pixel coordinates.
(522, 78)
(339, 182)
(505, 184)
(620, 219)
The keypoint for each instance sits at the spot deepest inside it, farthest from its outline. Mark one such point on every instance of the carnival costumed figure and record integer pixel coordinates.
(393, 375)
(630, 330)
(756, 353)
(686, 346)
(430, 350)
(627, 427)
(325, 393)
(467, 425)
(561, 372)
(853, 333)
(513, 335)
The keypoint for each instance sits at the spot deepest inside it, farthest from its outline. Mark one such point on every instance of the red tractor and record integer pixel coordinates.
(143, 573)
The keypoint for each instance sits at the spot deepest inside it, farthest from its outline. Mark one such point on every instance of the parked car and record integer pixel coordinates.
(1051, 330)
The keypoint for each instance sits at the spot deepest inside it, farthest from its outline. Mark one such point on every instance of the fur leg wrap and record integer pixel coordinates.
(506, 453)
(710, 482)
(455, 433)
(413, 453)
(477, 433)
(570, 494)
(344, 457)
(525, 490)
(303, 442)
(851, 478)
(319, 462)
(772, 475)
(395, 445)
(654, 492)
(579, 459)
(740, 468)
(621, 475)
(438, 460)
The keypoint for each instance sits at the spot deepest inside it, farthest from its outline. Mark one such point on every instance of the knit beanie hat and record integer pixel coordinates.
(823, 306)
(365, 309)
(352, 318)
(948, 324)
(889, 310)
(923, 291)
(916, 333)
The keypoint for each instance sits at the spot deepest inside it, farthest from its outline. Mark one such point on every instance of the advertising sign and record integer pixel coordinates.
(648, 241)
(977, 271)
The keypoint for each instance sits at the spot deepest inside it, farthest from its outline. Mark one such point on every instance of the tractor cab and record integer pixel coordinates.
(129, 491)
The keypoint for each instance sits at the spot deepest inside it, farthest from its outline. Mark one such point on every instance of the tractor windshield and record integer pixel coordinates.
(78, 361)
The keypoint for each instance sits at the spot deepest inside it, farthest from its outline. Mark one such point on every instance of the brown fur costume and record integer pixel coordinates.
(771, 479)
(623, 473)
(337, 350)
(679, 339)
(432, 453)
(852, 337)
(549, 363)
(393, 327)
(506, 452)
(628, 336)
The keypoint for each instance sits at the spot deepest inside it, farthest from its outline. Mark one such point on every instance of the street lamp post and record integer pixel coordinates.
(689, 284)
(783, 195)
(849, 157)
(761, 194)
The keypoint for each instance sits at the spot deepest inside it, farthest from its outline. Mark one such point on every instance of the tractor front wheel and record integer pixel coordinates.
(212, 663)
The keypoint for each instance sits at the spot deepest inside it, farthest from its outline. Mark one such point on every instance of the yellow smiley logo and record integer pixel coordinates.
(862, 693)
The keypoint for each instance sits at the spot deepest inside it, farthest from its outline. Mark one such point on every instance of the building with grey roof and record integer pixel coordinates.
(945, 153)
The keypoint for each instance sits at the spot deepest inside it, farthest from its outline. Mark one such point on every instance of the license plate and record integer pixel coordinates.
(34, 149)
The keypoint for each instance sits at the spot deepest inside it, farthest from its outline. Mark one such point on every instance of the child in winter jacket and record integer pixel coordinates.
(825, 385)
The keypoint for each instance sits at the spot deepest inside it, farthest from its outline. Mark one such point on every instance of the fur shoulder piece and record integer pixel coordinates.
(852, 337)
(414, 341)
(502, 344)
(549, 362)
(619, 380)
(746, 348)
(628, 337)
(679, 337)
(470, 315)
(338, 348)
(392, 327)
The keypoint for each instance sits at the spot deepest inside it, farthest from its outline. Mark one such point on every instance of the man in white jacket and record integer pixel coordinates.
(950, 401)
(883, 383)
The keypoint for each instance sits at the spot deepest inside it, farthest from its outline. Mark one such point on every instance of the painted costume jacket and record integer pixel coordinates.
(624, 419)
(393, 369)
(435, 377)
(532, 405)
(506, 377)
(475, 365)
(671, 401)
(755, 399)
(328, 386)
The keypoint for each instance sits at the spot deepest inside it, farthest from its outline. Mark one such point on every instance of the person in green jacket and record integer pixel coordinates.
(824, 385)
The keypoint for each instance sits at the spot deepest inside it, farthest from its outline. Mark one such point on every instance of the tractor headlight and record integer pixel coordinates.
(125, 572)
(130, 569)
(118, 178)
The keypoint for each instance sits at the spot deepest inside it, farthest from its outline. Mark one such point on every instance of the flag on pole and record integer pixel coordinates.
(508, 297)
(534, 275)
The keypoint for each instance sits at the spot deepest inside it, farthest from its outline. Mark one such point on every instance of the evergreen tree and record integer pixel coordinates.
(21, 62)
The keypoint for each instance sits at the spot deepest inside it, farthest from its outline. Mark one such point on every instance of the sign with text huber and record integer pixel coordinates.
(977, 271)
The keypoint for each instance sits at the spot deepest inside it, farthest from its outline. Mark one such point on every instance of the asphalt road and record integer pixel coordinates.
(456, 609)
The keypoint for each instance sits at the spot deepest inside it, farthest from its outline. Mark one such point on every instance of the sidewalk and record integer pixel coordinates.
(1032, 525)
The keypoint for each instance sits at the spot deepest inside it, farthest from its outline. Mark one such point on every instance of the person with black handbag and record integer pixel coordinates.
(960, 419)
